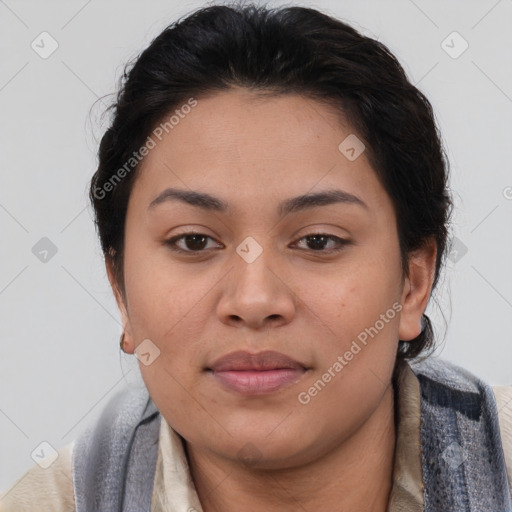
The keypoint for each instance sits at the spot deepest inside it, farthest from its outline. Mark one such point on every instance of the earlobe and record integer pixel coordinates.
(416, 290)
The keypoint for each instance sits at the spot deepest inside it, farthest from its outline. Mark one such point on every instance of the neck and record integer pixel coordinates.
(355, 475)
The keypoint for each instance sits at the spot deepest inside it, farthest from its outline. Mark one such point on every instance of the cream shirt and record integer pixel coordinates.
(51, 489)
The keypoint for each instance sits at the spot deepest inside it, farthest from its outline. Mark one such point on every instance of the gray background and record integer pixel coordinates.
(60, 359)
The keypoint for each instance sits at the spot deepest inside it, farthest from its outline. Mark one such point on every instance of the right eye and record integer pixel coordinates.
(191, 242)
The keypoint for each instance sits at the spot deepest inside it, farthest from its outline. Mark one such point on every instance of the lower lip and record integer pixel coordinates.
(252, 382)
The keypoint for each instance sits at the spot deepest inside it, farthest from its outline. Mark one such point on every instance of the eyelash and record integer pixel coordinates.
(171, 243)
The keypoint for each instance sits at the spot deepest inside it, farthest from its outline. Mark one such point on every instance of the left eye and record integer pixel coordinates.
(317, 242)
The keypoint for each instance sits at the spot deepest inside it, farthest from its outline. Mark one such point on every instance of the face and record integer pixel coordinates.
(318, 281)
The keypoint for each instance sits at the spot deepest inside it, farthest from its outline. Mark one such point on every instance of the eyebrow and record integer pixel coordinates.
(295, 204)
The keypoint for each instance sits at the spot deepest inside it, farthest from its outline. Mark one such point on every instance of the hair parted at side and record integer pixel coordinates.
(276, 51)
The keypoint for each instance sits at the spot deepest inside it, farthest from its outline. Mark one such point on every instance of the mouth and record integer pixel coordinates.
(256, 374)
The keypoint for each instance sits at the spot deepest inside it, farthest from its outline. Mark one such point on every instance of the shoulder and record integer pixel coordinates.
(100, 447)
(439, 370)
(503, 396)
(119, 450)
(460, 380)
(43, 488)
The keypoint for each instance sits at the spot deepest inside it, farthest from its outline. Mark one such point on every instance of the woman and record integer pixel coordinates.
(273, 207)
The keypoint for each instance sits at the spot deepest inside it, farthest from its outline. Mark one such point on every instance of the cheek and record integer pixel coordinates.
(351, 298)
(161, 294)
(359, 322)
(356, 318)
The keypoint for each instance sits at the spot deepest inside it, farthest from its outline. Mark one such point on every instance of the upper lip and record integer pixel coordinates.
(242, 360)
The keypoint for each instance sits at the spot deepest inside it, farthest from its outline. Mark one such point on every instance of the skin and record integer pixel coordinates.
(336, 452)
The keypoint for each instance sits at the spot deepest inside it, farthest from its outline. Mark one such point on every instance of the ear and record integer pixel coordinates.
(129, 345)
(416, 290)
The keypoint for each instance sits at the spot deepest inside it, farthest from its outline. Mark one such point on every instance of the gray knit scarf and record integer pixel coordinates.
(462, 456)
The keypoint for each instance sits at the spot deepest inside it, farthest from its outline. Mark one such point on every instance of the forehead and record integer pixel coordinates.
(239, 143)
(271, 124)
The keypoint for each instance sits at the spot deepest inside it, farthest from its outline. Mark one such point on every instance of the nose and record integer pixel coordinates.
(256, 294)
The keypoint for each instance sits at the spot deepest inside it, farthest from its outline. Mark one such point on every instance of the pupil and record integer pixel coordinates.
(198, 241)
(319, 240)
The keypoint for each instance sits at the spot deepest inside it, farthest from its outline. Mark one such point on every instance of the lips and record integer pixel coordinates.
(262, 361)
(256, 374)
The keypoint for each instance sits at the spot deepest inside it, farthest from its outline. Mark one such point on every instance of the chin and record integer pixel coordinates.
(258, 450)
